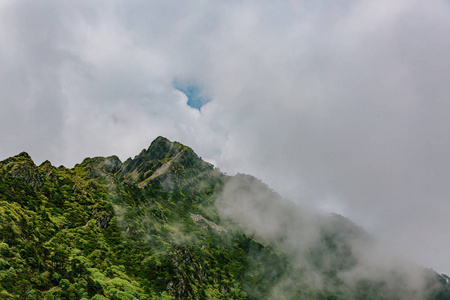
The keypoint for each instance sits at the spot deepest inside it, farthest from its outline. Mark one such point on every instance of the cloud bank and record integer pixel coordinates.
(328, 252)
(342, 106)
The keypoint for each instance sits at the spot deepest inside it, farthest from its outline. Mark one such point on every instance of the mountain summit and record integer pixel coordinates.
(164, 158)
(167, 225)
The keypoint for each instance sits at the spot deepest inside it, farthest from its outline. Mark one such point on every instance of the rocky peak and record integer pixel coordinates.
(21, 157)
(24, 155)
(22, 166)
(163, 157)
(161, 148)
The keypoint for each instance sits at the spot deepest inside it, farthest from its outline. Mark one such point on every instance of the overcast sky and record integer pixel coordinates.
(342, 105)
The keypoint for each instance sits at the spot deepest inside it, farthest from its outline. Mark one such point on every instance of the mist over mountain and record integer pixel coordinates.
(338, 105)
(168, 225)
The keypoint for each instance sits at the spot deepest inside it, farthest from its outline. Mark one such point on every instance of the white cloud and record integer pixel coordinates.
(344, 101)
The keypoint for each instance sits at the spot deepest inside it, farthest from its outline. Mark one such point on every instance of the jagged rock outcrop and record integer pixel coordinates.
(164, 160)
(200, 221)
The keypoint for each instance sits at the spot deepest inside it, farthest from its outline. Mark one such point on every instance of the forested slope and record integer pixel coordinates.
(150, 228)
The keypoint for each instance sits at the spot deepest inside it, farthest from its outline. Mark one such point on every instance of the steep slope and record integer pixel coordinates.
(167, 161)
(91, 232)
(167, 225)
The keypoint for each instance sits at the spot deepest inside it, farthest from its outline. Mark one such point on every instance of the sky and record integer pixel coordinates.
(339, 105)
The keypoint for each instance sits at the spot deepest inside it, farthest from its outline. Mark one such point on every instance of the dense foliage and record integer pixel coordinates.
(146, 228)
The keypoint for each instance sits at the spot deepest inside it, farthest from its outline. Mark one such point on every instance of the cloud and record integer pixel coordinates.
(336, 105)
(324, 249)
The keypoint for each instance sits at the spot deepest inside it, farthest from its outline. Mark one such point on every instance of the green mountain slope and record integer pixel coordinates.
(167, 225)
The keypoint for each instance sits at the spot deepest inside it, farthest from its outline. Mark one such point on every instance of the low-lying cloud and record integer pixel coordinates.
(321, 249)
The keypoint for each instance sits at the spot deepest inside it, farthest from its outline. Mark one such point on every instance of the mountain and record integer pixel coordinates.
(167, 225)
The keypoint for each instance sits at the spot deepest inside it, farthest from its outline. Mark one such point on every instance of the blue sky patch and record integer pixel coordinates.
(193, 92)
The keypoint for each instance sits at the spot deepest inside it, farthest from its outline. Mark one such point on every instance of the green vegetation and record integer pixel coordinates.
(147, 228)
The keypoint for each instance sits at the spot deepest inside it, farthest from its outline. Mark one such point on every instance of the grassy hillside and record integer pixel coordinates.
(154, 227)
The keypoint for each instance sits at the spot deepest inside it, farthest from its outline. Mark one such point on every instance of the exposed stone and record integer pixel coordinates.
(199, 218)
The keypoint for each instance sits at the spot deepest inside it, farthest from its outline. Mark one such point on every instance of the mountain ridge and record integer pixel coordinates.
(167, 225)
